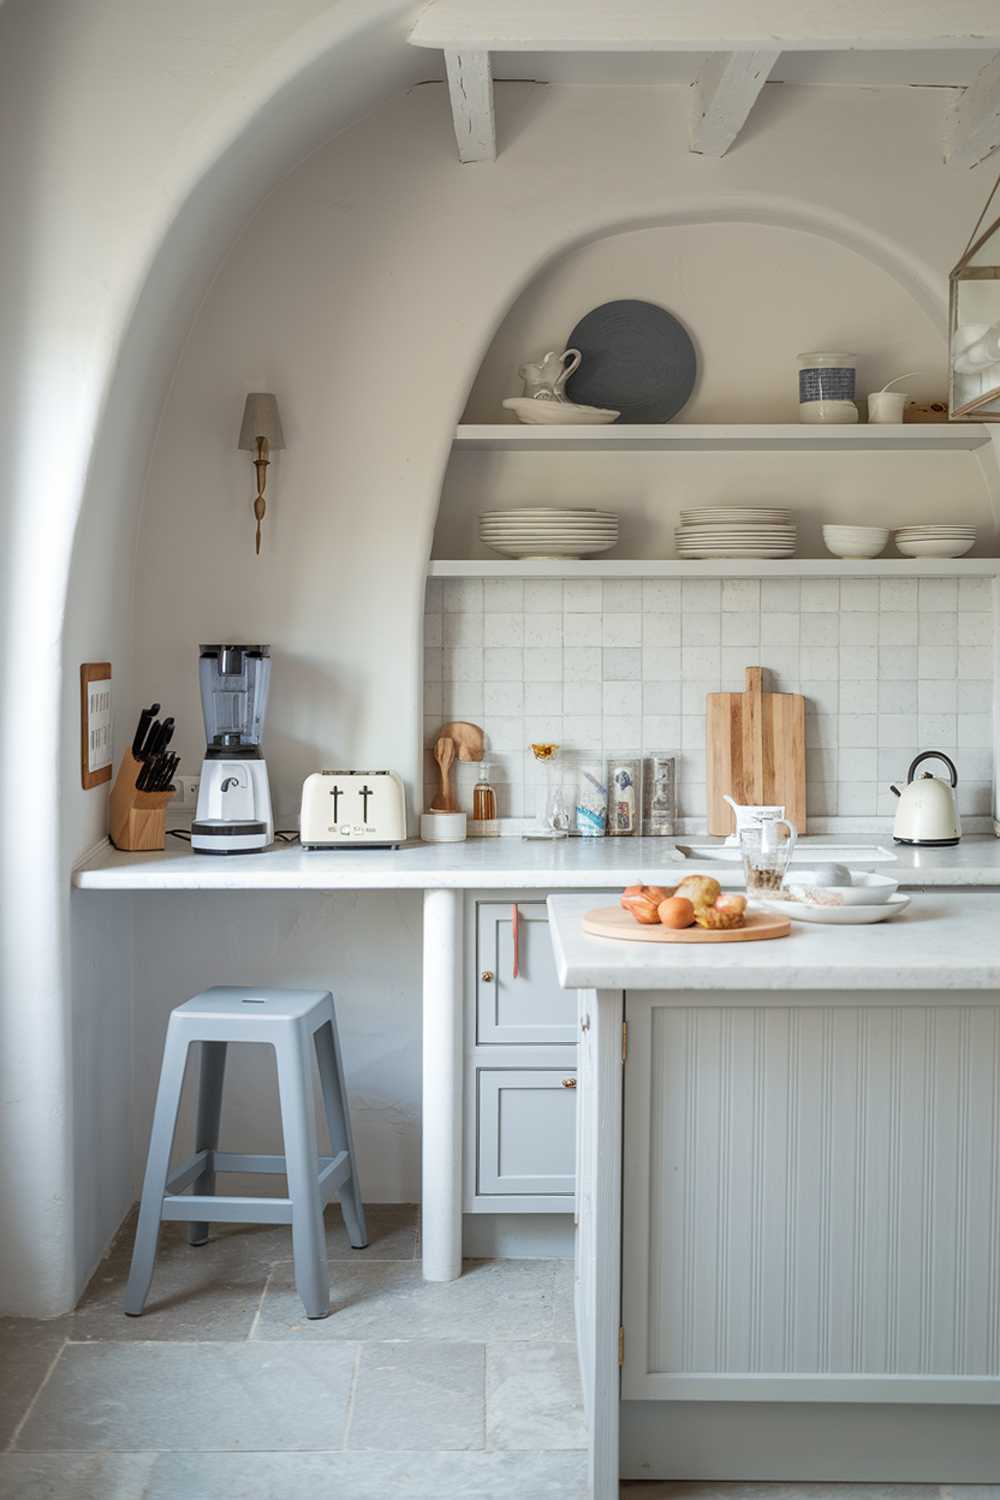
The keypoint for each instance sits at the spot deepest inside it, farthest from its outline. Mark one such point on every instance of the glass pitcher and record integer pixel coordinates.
(767, 855)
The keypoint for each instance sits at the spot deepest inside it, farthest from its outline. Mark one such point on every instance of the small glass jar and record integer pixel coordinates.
(590, 799)
(659, 812)
(624, 797)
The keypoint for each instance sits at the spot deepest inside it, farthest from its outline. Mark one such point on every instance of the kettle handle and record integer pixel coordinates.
(933, 755)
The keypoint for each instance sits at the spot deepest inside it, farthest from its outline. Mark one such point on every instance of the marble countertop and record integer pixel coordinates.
(489, 864)
(944, 941)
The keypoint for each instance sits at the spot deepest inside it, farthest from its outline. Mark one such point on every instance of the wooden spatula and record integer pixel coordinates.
(444, 754)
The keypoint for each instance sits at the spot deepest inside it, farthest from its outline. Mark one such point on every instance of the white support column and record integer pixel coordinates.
(723, 95)
(470, 85)
(441, 1218)
(975, 125)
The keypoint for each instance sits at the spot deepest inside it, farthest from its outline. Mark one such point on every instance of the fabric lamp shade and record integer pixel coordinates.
(261, 420)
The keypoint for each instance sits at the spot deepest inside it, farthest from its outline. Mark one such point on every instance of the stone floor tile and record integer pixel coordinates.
(491, 1301)
(77, 1476)
(533, 1397)
(417, 1395)
(970, 1492)
(27, 1349)
(121, 1397)
(277, 1476)
(198, 1294)
(564, 1317)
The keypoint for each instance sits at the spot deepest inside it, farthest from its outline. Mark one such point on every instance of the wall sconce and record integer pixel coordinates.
(260, 432)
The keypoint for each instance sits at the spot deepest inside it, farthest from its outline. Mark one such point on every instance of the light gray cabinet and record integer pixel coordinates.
(520, 1063)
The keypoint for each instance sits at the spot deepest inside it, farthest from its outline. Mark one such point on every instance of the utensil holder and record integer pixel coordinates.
(136, 819)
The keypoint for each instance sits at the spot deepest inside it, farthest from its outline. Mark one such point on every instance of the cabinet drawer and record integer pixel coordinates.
(532, 1009)
(527, 1131)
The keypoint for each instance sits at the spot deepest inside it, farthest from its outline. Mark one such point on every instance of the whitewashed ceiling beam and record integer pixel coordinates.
(470, 85)
(722, 97)
(671, 26)
(975, 126)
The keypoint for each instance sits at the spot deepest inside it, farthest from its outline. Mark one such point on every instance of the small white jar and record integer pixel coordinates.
(442, 827)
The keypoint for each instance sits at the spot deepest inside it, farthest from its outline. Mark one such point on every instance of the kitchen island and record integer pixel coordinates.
(789, 1199)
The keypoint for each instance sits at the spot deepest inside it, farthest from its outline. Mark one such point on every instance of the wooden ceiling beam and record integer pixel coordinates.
(705, 25)
(722, 96)
(975, 126)
(470, 87)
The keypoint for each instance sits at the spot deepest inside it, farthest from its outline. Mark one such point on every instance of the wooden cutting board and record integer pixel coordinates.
(613, 922)
(756, 752)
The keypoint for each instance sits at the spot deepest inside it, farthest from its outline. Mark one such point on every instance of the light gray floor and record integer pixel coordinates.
(409, 1388)
(413, 1390)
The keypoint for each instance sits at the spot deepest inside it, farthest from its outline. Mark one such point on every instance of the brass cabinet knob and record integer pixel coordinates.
(487, 976)
(569, 1083)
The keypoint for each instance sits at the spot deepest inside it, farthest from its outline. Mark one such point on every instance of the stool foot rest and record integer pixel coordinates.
(223, 1209)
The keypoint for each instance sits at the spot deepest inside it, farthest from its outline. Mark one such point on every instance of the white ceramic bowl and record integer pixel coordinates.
(442, 827)
(855, 541)
(542, 413)
(941, 548)
(864, 889)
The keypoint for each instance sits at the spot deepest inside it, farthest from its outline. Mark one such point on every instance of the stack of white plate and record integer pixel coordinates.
(548, 533)
(736, 531)
(935, 541)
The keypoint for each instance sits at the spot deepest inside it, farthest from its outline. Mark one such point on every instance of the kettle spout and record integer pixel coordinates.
(895, 789)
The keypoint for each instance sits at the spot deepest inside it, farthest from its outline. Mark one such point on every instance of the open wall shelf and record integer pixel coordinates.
(805, 567)
(514, 437)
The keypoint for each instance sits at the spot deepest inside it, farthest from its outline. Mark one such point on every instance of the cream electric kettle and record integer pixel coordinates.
(928, 810)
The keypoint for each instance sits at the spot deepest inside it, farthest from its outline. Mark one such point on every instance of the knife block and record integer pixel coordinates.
(136, 819)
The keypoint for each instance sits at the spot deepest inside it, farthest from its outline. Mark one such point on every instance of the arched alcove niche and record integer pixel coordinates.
(753, 289)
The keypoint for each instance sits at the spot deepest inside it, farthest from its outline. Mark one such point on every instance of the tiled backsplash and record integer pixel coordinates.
(888, 667)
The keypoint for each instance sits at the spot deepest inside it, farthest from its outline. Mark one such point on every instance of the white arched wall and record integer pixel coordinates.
(136, 139)
(366, 292)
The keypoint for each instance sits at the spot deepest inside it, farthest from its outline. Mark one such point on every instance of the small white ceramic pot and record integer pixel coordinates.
(442, 827)
(886, 406)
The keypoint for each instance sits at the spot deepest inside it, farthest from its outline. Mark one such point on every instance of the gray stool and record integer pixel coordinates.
(292, 1022)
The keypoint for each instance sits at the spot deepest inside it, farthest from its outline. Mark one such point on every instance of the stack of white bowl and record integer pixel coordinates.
(945, 540)
(855, 541)
(714, 531)
(548, 533)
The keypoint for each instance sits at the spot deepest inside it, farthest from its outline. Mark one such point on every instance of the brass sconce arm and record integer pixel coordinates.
(261, 464)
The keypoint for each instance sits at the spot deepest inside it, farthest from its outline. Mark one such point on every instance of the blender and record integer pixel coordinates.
(234, 800)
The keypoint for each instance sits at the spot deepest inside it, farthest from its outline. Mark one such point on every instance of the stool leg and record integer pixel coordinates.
(213, 1071)
(338, 1123)
(312, 1274)
(161, 1140)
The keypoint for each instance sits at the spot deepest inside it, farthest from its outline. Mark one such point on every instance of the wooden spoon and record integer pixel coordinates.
(444, 754)
(468, 738)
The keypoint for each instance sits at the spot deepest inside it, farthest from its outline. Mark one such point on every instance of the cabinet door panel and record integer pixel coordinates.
(527, 1131)
(532, 1008)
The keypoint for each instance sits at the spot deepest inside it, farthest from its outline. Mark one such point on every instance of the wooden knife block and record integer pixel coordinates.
(136, 819)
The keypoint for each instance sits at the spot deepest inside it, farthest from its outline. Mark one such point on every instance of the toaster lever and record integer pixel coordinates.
(336, 794)
(366, 792)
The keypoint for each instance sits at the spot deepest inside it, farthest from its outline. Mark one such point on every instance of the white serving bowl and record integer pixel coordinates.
(442, 827)
(864, 889)
(855, 541)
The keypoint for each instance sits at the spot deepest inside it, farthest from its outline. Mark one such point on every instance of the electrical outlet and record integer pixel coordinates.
(186, 793)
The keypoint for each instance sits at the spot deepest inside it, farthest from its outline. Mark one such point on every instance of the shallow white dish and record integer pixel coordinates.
(840, 916)
(865, 889)
(543, 413)
(935, 549)
(726, 515)
(844, 854)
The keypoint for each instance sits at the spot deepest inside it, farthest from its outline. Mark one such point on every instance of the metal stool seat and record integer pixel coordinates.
(293, 1022)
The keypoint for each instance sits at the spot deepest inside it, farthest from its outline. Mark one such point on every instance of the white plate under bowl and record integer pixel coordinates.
(839, 916)
(865, 889)
(544, 413)
(935, 549)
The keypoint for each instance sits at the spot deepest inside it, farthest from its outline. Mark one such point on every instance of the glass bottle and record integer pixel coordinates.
(484, 807)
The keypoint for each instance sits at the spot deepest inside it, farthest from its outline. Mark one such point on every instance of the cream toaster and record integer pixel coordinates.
(352, 807)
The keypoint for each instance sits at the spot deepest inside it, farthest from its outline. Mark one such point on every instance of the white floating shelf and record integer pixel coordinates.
(793, 567)
(724, 437)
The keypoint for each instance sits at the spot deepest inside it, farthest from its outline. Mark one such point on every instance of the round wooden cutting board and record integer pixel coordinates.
(613, 922)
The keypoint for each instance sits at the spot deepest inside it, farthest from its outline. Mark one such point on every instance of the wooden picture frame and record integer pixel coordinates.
(90, 776)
